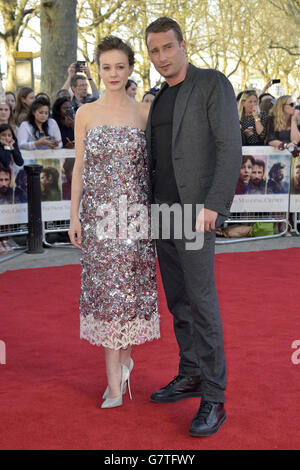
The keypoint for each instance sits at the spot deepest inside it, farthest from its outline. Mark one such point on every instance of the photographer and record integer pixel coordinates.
(63, 114)
(78, 85)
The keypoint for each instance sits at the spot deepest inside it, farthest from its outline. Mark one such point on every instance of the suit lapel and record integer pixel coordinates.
(181, 102)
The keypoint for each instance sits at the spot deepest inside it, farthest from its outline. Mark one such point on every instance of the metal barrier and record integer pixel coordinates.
(296, 222)
(54, 227)
(252, 217)
(10, 231)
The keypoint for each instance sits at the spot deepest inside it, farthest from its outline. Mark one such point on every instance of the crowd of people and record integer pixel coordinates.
(29, 121)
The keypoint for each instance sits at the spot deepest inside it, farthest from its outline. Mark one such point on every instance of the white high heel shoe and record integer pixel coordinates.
(105, 394)
(118, 401)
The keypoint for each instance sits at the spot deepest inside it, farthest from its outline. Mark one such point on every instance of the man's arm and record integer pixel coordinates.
(225, 127)
(71, 72)
(93, 86)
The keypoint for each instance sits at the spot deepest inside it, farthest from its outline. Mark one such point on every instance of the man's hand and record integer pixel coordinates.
(71, 70)
(86, 70)
(206, 221)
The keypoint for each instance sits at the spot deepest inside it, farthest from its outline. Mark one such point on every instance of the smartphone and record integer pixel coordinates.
(70, 113)
(78, 65)
(275, 80)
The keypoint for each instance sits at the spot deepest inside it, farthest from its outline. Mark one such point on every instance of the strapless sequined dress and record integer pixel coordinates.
(118, 302)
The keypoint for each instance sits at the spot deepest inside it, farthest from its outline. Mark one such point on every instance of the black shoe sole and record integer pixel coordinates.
(175, 399)
(208, 433)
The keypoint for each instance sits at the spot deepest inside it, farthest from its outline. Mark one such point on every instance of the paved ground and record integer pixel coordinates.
(59, 256)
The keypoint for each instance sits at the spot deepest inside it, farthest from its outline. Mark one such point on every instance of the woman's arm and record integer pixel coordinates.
(17, 156)
(295, 134)
(274, 143)
(54, 131)
(5, 157)
(23, 135)
(77, 186)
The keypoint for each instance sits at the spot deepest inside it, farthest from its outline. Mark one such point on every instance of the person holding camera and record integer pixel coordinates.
(284, 131)
(64, 115)
(39, 131)
(78, 84)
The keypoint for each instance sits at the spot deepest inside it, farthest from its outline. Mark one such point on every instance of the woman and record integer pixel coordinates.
(39, 131)
(6, 115)
(118, 294)
(25, 98)
(9, 150)
(131, 87)
(63, 114)
(253, 123)
(245, 173)
(11, 100)
(284, 130)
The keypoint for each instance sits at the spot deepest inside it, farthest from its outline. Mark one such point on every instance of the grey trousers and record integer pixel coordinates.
(189, 283)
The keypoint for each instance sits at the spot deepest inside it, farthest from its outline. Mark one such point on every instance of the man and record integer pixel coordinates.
(6, 192)
(257, 183)
(78, 84)
(276, 183)
(194, 146)
(50, 190)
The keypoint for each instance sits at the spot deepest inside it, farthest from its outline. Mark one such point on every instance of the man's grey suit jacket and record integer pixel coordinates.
(206, 141)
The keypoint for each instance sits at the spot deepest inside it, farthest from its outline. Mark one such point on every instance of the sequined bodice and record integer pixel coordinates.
(116, 163)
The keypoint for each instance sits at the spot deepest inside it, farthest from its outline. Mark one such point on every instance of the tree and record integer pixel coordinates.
(58, 42)
(16, 14)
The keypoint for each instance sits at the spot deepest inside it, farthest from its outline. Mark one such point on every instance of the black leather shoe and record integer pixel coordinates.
(208, 419)
(180, 388)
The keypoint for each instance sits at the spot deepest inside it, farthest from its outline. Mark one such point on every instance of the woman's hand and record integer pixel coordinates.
(46, 141)
(7, 142)
(255, 112)
(249, 131)
(69, 145)
(75, 233)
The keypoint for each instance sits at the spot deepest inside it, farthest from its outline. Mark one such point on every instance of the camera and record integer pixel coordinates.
(78, 65)
(292, 148)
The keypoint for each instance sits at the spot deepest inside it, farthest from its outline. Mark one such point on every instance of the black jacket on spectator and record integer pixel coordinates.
(66, 133)
(6, 155)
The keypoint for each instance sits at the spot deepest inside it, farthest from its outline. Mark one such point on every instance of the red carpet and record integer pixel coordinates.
(52, 381)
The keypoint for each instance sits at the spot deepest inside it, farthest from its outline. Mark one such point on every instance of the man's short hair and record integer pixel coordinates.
(76, 77)
(5, 169)
(164, 24)
(260, 163)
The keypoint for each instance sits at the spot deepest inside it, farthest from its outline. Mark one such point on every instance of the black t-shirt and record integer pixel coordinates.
(165, 188)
